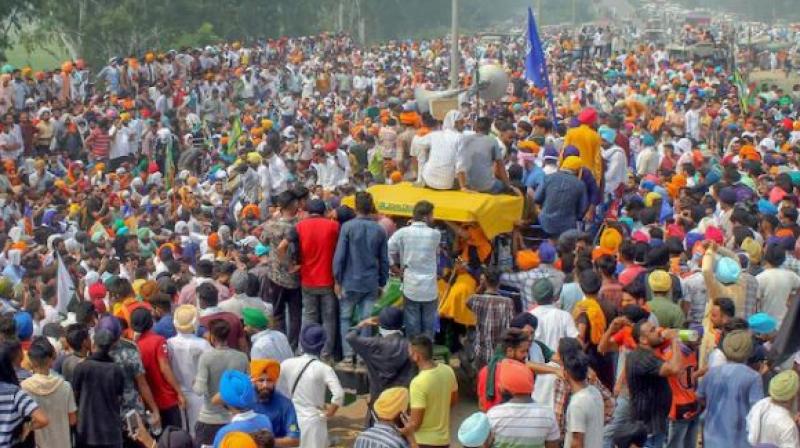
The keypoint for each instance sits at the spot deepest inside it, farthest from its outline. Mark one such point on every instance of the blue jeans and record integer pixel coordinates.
(319, 306)
(420, 317)
(655, 440)
(683, 433)
(347, 306)
(621, 417)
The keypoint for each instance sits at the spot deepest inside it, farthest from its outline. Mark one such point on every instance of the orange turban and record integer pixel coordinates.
(250, 211)
(529, 146)
(148, 289)
(213, 241)
(748, 152)
(270, 367)
(780, 233)
(674, 187)
(19, 245)
(515, 377)
(396, 177)
(409, 118)
(527, 259)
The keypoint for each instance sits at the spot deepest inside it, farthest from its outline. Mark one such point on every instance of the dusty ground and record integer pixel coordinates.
(350, 421)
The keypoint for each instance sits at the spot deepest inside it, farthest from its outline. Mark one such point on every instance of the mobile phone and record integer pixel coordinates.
(132, 420)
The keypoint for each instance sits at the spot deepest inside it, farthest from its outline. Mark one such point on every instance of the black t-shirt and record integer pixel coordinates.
(651, 396)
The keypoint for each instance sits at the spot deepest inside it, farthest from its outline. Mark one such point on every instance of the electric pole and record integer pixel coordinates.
(454, 56)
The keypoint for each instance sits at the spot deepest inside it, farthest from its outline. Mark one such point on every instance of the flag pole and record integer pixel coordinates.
(536, 65)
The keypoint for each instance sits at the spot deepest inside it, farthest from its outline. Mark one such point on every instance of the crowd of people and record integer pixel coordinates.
(179, 268)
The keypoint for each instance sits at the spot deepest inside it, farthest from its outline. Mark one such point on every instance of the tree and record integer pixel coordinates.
(98, 29)
(13, 14)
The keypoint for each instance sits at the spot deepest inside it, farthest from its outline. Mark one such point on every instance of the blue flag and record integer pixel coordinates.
(535, 64)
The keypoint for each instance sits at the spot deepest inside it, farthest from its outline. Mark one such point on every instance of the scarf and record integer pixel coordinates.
(499, 355)
(597, 320)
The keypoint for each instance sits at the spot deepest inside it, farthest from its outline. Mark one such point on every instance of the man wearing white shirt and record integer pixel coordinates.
(692, 119)
(265, 342)
(439, 171)
(185, 350)
(11, 143)
(120, 143)
(771, 420)
(305, 379)
(278, 173)
(554, 323)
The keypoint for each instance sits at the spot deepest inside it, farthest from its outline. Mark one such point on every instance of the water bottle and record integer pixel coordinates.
(688, 335)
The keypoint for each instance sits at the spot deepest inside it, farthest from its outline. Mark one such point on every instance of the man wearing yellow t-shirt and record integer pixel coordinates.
(433, 392)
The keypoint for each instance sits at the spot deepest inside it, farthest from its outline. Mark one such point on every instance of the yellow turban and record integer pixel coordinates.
(391, 403)
(74, 209)
(752, 249)
(238, 440)
(572, 163)
(266, 124)
(125, 116)
(100, 167)
(783, 386)
(253, 158)
(651, 198)
(137, 286)
(270, 367)
(610, 239)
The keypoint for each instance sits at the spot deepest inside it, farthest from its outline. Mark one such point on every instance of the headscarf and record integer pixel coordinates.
(597, 320)
(450, 120)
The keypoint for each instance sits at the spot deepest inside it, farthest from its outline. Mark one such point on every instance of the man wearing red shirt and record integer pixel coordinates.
(155, 359)
(314, 241)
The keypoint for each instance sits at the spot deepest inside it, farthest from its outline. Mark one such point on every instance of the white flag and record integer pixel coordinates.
(65, 288)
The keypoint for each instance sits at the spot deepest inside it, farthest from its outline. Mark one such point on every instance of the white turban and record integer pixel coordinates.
(451, 118)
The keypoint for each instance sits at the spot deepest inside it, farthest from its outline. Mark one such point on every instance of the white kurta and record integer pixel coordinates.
(185, 351)
(309, 396)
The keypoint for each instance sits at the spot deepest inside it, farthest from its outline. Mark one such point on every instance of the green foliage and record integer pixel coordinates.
(13, 13)
(202, 36)
(98, 29)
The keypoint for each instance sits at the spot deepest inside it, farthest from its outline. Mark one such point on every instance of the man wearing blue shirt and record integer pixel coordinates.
(272, 404)
(238, 395)
(360, 267)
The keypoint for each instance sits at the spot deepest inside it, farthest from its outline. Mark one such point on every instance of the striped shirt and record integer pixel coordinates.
(381, 435)
(15, 406)
(523, 425)
(100, 143)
